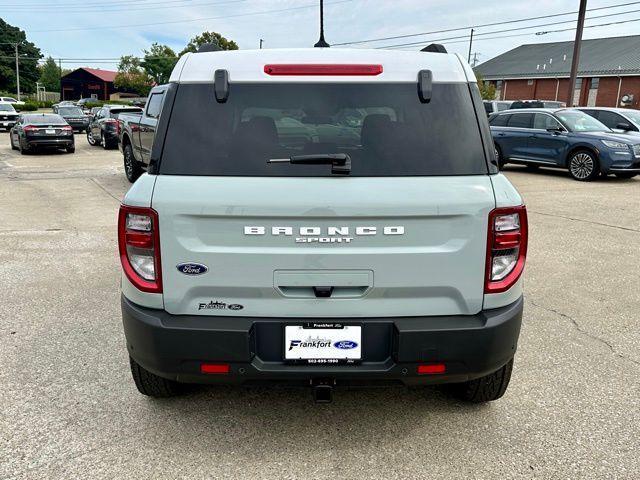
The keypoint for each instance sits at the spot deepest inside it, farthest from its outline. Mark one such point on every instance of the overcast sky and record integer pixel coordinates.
(96, 29)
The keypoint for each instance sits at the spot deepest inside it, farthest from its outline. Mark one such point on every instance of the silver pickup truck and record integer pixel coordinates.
(137, 132)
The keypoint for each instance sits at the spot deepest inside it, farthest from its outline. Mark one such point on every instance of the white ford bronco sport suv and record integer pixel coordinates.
(323, 217)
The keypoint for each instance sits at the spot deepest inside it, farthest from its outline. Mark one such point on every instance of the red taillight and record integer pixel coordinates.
(67, 128)
(432, 369)
(506, 248)
(323, 69)
(139, 245)
(215, 368)
(30, 128)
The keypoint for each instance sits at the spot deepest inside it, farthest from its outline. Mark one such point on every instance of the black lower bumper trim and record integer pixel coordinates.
(174, 346)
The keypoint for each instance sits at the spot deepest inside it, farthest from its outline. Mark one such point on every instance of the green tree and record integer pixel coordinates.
(209, 37)
(487, 89)
(158, 62)
(28, 55)
(131, 76)
(50, 75)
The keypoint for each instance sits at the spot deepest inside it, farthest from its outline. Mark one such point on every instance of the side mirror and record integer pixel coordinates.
(624, 126)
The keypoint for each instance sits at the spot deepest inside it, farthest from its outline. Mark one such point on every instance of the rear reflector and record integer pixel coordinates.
(431, 369)
(215, 368)
(322, 69)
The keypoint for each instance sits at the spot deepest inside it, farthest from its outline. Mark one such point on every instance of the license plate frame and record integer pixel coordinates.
(349, 335)
(50, 131)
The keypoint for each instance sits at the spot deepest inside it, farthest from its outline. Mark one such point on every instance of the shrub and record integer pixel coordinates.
(30, 106)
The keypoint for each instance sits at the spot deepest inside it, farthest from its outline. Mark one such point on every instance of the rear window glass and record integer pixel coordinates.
(384, 128)
(70, 111)
(43, 119)
(499, 120)
(114, 112)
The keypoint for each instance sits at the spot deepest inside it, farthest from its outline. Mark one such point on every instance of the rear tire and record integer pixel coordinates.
(90, 139)
(151, 384)
(583, 166)
(625, 174)
(13, 145)
(132, 168)
(71, 149)
(485, 389)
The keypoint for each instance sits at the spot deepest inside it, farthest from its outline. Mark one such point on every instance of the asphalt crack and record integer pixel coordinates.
(586, 221)
(584, 332)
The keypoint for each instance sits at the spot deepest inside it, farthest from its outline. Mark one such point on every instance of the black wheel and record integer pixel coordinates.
(106, 145)
(132, 168)
(625, 174)
(90, 140)
(583, 166)
(485, 389)
(71, 149)
(23, 150)
(498, 154)
(152, 385)
(13, 145)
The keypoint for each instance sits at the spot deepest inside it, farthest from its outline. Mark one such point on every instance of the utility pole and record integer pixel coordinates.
(261, 40)
(470, 45)
(577, 44)
(17, 71)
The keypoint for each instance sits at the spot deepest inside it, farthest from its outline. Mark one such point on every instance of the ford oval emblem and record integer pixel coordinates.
(192, 268)
(235, 306)
(345, 344)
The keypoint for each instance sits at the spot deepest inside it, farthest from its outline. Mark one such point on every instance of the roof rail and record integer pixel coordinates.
(434, 47)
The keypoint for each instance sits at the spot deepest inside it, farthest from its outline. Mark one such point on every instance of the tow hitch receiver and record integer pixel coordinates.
(322, 389)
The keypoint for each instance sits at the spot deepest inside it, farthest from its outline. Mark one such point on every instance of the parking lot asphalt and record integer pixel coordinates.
(70, 409)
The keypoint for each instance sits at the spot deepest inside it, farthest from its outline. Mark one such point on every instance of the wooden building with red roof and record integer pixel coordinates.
(87, 83)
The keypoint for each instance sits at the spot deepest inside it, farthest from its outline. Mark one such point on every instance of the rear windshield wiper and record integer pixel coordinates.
(340, 162)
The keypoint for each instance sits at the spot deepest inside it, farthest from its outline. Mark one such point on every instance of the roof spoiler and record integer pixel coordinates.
(434, 48)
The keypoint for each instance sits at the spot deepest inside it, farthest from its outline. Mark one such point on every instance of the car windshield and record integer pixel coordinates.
(45, 119)
(383, 127)
(577, 121)
(70, 111)
(6, 108)
(633, 115)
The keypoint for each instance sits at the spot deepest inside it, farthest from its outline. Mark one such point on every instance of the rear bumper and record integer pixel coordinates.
(50, 142)
(174, 346)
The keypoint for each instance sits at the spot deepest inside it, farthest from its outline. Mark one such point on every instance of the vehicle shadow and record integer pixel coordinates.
(557, 173)
(268, 420)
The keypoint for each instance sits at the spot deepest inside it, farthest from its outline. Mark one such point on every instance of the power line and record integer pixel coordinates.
(125, 8)
(508, 30)
(396, 37)
(89, 5)
(539, 33)
(172, 22)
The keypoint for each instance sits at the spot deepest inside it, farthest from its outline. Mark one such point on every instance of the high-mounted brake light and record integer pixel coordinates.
(506, 248)
(323, 69)
(139, 245)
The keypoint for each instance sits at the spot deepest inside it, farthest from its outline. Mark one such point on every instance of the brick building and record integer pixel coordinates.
(609, 71)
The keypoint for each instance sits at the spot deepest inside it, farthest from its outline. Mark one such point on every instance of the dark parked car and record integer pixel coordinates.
(74, 116)
(8, 116)
(86, 103)
(41, 130)
(624, 120)
(103, 127)
(137, 131)
(536, 104)
(564, 138)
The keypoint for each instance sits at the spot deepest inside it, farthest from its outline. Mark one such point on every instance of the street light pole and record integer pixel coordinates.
(17, 71)
(575, 61)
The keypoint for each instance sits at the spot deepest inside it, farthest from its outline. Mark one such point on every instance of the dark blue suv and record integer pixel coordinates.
(564, 138)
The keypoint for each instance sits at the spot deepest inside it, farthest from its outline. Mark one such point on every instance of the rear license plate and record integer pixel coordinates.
(323, 343)
(49, 131)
